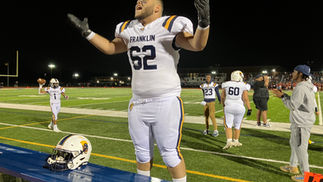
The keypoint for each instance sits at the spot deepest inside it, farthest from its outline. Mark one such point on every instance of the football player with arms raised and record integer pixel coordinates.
(55, 91)
(152, 42)
(234, 96)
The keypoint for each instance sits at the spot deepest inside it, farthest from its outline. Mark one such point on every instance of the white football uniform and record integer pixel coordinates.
(155, 110)
(55, 99)
(209, 91)
(234, 107)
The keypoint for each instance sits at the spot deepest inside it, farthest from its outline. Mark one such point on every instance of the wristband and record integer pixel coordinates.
(90, 36)
(201, 28)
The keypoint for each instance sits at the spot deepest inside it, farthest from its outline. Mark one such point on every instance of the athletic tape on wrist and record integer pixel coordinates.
(201, 28)
(89, 37)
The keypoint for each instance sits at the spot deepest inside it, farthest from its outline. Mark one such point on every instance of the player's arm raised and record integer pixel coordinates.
(106, 46)
(198, 41)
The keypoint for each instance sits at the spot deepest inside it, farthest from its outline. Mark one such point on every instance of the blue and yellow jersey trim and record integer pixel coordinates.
(180, 128)
(168, 23)
(124, 26)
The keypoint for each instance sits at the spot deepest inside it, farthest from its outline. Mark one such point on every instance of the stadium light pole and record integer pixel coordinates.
(51, 66)
(7, 64)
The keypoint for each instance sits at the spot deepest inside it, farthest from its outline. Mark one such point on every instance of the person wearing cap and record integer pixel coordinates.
(302, 117)
(261, 97)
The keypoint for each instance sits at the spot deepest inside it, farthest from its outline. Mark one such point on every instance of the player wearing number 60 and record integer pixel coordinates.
(152, 42)
(55, 91)
(234, 96)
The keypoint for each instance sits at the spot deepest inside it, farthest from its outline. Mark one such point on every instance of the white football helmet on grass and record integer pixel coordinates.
(71, 152)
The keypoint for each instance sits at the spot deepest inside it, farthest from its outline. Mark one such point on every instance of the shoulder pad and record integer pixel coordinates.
(124, 25)
(168, 23)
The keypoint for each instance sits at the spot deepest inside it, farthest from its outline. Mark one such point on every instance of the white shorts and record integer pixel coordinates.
(55, 107)
(159, 119)
(233, 115)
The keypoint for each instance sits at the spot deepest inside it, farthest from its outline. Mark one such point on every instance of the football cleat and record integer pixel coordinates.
(289, 169)
(215, 133)
(228, 145)
(55, 128)
(298, 178)
(50, 126)
(237, 144)
(205, 132)
(266, 125)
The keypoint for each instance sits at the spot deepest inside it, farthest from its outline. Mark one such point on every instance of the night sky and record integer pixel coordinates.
(249, 33)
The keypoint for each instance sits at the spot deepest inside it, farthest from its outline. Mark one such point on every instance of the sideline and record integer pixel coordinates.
(182, 148)
(275, 126)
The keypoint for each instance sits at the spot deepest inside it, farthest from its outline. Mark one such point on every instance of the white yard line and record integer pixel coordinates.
(275, 126)
(182, 148)
(319, 108)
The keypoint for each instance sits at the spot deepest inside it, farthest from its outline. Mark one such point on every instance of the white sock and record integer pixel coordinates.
(236, 140)
(55, 126)
(145, 173)
(229, 140)
(180, 179)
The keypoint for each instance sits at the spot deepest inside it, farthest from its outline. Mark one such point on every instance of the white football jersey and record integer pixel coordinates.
(153, 55)
(233, 92)
(209, 90)
(55, 94)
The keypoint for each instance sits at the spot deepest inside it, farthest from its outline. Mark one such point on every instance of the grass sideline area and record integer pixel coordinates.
(257, 160)
(118, 99)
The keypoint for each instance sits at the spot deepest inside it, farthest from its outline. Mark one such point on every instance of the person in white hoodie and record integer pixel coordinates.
(302, 117)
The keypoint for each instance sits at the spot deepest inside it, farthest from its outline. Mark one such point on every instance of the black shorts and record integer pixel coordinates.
(261, 103)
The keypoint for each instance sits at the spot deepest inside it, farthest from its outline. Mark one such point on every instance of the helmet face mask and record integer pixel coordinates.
(71, 152)
(54, 83)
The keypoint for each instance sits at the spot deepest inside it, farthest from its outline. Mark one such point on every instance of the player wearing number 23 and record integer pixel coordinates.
(152, 42)
(209, 89)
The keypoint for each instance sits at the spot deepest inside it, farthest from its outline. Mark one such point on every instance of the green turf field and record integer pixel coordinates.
(204, 157)
(118, 98)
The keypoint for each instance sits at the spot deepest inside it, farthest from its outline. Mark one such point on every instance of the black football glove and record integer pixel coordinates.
(82, 26)
(203, 12)
(249, 112)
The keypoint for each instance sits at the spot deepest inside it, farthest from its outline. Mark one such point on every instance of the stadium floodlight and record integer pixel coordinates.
(213, 72)
(111, 78)
(129, 78)
(264, 72)
(51, 67)
(115, 74)
(273, 70)
(76, 75)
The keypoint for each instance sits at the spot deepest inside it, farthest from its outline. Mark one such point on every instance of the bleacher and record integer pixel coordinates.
(28, 165)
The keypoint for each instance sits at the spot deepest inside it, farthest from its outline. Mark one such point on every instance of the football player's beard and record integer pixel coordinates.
(145, 14)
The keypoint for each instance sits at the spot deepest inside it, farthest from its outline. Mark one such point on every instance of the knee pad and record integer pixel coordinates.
(143, 156)
(171, 157)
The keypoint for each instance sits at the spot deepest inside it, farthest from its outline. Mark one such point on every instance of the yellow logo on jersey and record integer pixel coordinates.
(131, 106)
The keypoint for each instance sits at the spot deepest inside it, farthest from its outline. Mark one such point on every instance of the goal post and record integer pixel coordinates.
(17, 66)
